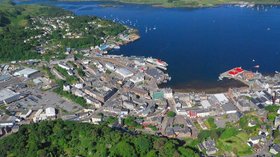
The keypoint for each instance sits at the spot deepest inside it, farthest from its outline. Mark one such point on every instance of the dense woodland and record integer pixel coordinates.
(65, 138)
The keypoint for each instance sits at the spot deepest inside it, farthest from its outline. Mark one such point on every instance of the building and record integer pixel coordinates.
(158, 95)
(243, 105)
(274, 149)
(96, 119)
(102, 94)
(110, 66)
(7, 121)
(137, 78)
(92, 101)
(63, 66)
(140, 92)
(221, 98)
(255, 140)
(229, 108)
(24, 114)
(125, 73)
(168, 93)
(209, 146)
(50, 112)
(205, 104)
(27, 72)
(277, 121)
(8, 96)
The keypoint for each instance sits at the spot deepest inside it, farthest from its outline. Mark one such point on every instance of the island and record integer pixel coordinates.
(63, 94)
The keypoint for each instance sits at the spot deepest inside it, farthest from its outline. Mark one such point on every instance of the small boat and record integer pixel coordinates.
(257, 66)
(117, 47)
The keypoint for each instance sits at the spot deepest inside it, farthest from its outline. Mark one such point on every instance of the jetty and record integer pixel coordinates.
(239, 74)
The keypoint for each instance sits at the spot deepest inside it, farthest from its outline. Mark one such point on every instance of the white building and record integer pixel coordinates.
(50, 112)
(27, 72)
(125, 73)
(221, 98)
(205, 104)
(63, 66)
(110, 66)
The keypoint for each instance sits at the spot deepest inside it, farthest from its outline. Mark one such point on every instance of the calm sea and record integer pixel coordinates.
(198, 44)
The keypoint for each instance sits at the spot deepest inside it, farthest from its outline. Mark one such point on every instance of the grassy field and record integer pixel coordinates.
(236, 144)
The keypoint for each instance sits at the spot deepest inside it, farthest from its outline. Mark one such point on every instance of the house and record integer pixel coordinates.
(66, 87)
(182, 132)
(255, 140)
(274, 149)
(209, 146)
(252, 123)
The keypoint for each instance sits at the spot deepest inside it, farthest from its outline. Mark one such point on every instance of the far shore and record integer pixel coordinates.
(172, 5)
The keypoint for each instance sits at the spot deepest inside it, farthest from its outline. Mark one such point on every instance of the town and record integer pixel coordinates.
(91, 86)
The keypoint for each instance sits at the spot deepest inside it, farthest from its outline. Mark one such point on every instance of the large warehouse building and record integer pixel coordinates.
(27, 72)
(8, 96)
(125, 73)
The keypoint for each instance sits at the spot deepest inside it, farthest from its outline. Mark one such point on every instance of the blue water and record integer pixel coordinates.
(198, 44)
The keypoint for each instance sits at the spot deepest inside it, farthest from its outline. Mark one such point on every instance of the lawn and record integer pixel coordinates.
(210, 123)
(236, 144)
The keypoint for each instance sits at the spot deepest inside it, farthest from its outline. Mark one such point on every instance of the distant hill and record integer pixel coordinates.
(65, 138)
(188, 3)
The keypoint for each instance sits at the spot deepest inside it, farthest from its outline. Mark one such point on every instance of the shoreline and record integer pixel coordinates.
(209, 88)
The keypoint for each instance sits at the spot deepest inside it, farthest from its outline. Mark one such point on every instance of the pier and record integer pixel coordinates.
(239, 74)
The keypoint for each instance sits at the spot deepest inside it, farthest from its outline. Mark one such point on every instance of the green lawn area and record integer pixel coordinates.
(236, 144)
(210, 123)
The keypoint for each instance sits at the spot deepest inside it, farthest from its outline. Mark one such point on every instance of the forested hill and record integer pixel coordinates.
(187, 3)
(65, 138)
(13, 19)
(27, 31)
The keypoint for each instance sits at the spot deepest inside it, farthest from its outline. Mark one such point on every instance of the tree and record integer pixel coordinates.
(171, 114)
(142, 145)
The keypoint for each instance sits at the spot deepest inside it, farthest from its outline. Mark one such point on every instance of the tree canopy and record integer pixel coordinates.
(66, 138)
